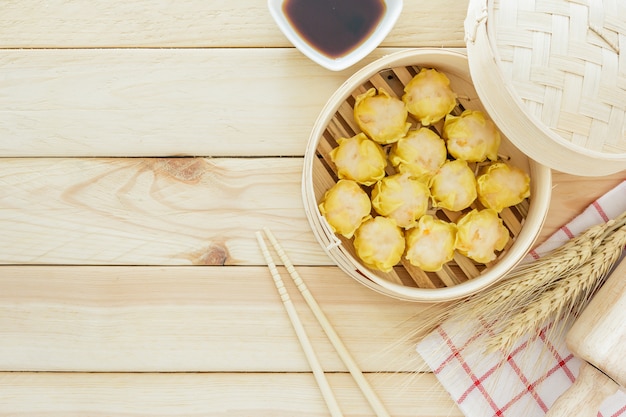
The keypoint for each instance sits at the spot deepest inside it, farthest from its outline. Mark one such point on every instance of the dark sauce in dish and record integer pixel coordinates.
(334, 27)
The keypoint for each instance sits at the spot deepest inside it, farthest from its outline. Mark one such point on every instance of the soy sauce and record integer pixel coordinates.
(334, 27)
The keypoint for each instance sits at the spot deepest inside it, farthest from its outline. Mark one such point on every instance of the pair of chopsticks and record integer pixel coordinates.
(345, 356)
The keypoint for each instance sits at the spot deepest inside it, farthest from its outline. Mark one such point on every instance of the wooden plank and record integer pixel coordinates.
(233, 395)
(136, 211)
(160, 102)
(178, 211)
(197, 23)
(213, 319)
(568, 201)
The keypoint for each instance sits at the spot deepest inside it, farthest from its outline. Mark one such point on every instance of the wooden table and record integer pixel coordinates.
(143, 143)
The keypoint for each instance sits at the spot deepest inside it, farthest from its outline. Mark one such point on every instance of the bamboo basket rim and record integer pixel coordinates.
(333, 246)
(503, 94)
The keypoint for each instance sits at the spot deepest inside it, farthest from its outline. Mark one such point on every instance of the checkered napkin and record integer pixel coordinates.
(537, 372)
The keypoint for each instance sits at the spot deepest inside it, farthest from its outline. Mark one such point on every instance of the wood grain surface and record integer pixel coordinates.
(159, 211)
(141, 146)
(160, 102)
(216, 394)
(191, 319)
(177, 211)
(195, 23)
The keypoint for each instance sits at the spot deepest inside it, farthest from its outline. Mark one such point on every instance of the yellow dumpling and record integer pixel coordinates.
(359, 159)
(502, 186)
(420, 153)
(345, 207)
(480, 233)
(453, 187)
(471, 136)
(428, 96)
(379, 243)
(401, 198)
(431, 243)
(382, 117)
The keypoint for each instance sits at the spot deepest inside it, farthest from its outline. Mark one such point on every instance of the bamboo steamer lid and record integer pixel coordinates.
(552, 75)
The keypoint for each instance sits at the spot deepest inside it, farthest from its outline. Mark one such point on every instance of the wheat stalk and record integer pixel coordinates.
(565, 297)
(527, 281)
(531, 293)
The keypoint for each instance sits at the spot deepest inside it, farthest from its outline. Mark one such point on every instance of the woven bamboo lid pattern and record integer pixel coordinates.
(552, 73)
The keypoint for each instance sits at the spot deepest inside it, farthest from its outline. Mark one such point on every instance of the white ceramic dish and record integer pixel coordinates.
(388, 20)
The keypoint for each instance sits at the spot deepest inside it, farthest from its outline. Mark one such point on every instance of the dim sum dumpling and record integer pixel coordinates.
(401, 198)
(420, 153)
(382, 117)
(345, 206)
(480, 233)
(502, 186)
(471, 136)
(379, 243)
(453, 187)
(431, 243)
(428, 96)
(359, 159)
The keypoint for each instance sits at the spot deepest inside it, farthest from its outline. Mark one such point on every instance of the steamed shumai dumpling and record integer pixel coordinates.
(345, 207)
(401, 198)
(428, 96)
(420, 153)
(431, 243)
(359, 159)
(480, 233)
(471, 136)
(453, 187)
(502, 186)
(379, 243)
(382, 117)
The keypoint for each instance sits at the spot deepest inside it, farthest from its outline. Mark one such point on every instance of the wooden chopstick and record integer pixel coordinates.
(318, 372)
(345, 356)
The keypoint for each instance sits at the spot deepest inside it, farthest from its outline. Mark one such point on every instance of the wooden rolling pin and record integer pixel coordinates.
(598, 337)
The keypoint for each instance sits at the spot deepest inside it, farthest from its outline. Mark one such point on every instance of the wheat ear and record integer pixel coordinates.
(526, 281)
(522, 286)
(564, 298)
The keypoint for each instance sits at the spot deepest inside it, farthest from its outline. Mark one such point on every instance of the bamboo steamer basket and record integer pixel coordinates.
(557, 66)
(462, 276)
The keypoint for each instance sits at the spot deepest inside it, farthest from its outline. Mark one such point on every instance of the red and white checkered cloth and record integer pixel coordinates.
(537, 372)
